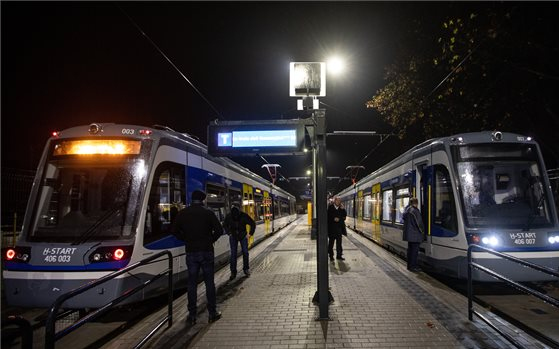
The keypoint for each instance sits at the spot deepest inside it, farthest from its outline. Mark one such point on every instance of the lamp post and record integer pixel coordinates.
(308, 81)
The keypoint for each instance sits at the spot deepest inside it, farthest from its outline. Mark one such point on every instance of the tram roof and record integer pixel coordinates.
(160, 132)
(457, 139)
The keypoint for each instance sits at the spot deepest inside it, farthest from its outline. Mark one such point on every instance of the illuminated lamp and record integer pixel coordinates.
(10, 254)
(118, 254)
(97, 146)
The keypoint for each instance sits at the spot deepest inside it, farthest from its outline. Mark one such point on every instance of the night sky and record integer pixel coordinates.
(72, 63)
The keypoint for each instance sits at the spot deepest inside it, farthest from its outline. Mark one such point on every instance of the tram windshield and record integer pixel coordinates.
(87, 198)
(502, 186)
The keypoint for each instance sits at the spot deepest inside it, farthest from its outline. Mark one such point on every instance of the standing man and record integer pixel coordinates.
(199, 228)
(413, 233)
(235, 225)
(336, 227)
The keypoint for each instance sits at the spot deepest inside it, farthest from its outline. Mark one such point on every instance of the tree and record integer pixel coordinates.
(491, 68)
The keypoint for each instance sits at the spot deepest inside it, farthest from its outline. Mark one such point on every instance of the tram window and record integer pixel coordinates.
(276, 209)
(402, 200)
(284, 209)
(367, 207)
(445, 209)
(216, 200)
(387, 196)
(92, 201)
(235, 197)
(349, 207)
(502, 181)
(259, 207)
(167, 197)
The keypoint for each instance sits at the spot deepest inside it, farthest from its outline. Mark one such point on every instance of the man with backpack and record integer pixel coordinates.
(235, 226)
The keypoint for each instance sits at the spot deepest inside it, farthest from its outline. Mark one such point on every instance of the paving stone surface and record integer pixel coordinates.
(377, 304)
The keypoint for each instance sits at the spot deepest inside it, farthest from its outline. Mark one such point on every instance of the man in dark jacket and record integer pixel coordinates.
(336, 227)
(235, 225)
(413, 233)
(199, 228)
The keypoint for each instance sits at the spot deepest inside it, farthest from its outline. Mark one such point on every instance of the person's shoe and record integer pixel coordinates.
(190, 320)
(214, 317)
(341, 258)
(247, 273)
(233, 276)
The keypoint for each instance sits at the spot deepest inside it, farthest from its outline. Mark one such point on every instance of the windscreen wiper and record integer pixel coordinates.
(91, 230)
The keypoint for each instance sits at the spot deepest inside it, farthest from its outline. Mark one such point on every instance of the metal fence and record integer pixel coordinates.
(16, 187)
(472, 265)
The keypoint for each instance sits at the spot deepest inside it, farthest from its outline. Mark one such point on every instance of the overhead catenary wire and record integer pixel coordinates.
(169, 60)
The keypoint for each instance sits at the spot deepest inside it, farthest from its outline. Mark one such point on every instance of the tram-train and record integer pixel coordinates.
(485, 188)
(104, 197)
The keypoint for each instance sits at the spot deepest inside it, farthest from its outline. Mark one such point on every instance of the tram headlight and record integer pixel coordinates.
(490, 240)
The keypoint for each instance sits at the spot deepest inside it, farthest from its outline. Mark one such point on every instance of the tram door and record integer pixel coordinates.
(424, 197)
(248, 200)
(267, 203)
(375, 219)
(359, 208)
(248, 206)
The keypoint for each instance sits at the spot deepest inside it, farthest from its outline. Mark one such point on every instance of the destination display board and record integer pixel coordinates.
(235, 138)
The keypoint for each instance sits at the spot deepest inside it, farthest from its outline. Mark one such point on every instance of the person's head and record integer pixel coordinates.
(414, 201)
(198, 197)
(337, 201)
(235, 211)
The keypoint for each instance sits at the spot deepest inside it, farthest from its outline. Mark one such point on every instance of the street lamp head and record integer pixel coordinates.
(335, 66)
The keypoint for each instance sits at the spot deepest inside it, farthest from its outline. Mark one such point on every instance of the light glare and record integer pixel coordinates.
(89, 147)
(335, 66)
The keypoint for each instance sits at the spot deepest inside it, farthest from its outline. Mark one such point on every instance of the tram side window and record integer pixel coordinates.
(402, 201)
(387, 196)
(216, 200)
(367, 207)
(284, 208)
(167, 197)
(445, 209)
(277, 205)
(349, 207)
(235, 197)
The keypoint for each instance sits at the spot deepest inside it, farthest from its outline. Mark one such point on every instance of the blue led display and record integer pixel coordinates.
(262, 138)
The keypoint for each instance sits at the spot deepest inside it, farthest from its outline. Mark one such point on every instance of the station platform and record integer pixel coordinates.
(378, 303)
